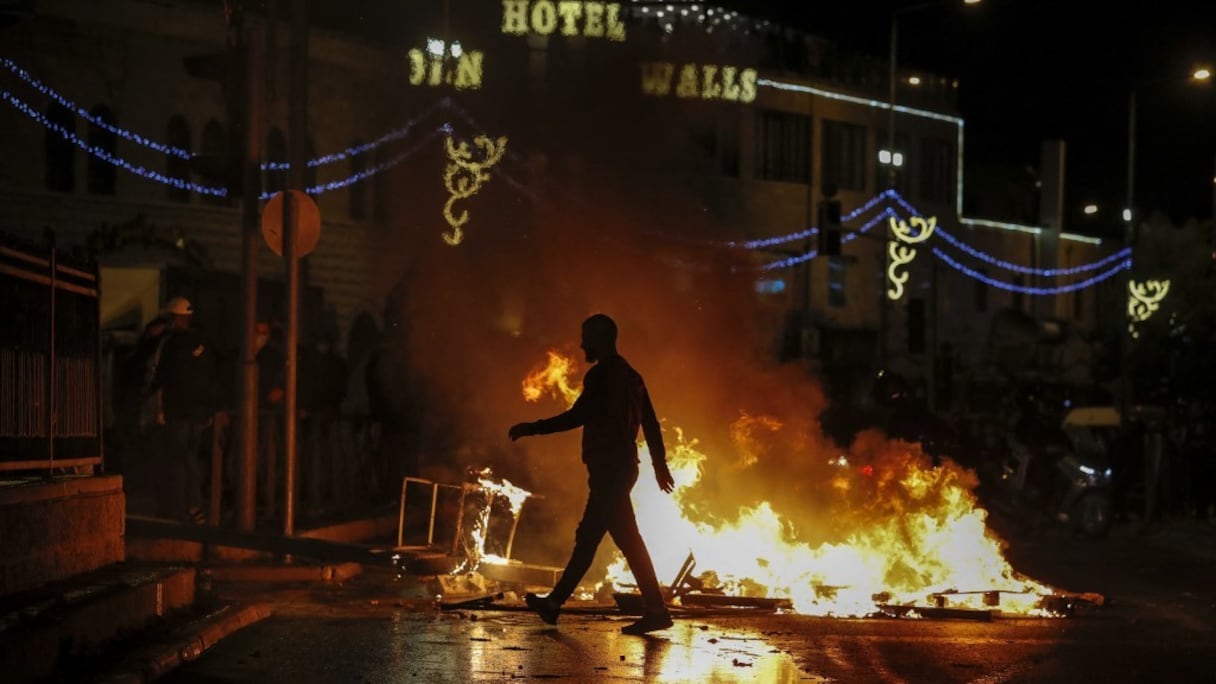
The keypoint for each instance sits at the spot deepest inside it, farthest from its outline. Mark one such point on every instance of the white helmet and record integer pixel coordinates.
(179, 306)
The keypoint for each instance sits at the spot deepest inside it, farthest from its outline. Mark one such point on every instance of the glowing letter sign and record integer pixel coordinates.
(903, 254)
(704, 81)
(435, 66)
(575, 18)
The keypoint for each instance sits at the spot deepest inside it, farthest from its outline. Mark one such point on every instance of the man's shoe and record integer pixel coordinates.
(543, 607)
(648, 623)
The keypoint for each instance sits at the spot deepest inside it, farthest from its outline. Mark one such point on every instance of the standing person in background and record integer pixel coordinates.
(183, 379)
(322, 391)
(613, 405)
(271, 380)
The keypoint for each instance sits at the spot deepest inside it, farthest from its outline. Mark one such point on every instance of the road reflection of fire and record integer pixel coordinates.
(910, 529)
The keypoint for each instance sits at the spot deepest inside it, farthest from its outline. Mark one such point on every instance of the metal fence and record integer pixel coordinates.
(50, 369)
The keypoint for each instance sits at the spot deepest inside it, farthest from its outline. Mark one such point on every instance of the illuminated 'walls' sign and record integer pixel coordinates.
(590, 19)
(441, 64)
(705, 81)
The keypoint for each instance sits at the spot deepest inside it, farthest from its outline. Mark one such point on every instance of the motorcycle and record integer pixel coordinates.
(1057, 472)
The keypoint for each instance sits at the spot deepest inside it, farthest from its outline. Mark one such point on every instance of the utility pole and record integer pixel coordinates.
(250, 242)
(297, 132)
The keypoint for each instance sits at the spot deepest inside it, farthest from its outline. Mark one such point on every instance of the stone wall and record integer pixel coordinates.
(53, 530)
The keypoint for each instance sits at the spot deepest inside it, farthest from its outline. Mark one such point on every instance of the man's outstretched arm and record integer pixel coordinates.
(654, 443)
(576, 416)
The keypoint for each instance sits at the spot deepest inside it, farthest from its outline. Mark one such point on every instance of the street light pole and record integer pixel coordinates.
(1129, 212)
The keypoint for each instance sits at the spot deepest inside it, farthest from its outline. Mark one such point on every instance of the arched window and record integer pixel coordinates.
(102, 175)
(358, 189)
(178, 136)
(276, 153)
(60, 153)
(215, 143)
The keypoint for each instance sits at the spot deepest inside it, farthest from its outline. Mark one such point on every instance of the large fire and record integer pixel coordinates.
(910, 530)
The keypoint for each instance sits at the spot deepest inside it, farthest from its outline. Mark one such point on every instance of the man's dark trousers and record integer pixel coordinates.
(610, 510)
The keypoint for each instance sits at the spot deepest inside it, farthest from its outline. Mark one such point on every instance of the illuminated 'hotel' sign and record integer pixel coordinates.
(704, 81)
(574, 18)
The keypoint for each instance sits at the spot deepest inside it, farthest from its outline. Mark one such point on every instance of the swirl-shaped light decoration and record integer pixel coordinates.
(1143, 301)
(463, 177)
(901, 251)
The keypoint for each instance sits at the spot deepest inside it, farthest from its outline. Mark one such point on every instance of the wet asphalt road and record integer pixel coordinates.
(1159, 627)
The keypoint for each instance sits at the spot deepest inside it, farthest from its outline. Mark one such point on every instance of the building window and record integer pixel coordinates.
(276, 153)
(981, 293)
(916, 326)
(882, 171)
(358, 191)
(844, 155)
(837, 274)
(178, 136)
(728, 143)
(214, 144)
(102, 175)
(60, 153)
(783, 147)
(936, 170)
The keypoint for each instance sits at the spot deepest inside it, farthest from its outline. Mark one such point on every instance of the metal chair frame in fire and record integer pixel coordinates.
(465, 489)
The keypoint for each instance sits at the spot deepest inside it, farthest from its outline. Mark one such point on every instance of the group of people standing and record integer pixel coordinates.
(175, 383)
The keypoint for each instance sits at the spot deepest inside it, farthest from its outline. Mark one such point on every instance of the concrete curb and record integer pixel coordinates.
(148, 665)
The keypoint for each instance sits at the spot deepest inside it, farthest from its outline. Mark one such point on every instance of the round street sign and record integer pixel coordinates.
(306, 223)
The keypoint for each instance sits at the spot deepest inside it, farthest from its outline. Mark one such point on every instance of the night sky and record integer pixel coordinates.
(1032, 70)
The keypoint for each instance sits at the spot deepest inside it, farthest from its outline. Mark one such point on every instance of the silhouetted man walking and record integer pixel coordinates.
(613, 405)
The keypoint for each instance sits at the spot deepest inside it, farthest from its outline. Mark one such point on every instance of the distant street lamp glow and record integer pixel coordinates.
(1127, 214)
(884, 157)
(897, 159)
(914, 80)
(1091, 209)
(1202, 74)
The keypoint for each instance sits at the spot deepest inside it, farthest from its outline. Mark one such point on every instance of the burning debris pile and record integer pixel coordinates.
(906, 534)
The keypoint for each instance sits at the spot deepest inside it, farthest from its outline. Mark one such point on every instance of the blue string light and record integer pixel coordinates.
(1045, 272)
(1061, 289)
(848, 237)
(391, 136)
(183, 184)
(103, 154)
(94, 120)
(1009, 266)
(809, 232)
(174, 151)
(371, 171)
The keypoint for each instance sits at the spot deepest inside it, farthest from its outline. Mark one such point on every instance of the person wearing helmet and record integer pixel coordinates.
(184, 381)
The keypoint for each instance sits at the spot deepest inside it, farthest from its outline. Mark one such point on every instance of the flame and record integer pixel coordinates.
(912, 534)
(491, 491)
(553, 379)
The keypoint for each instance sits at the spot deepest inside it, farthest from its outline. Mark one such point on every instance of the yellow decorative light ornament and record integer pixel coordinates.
(463, 177)
(901, 251)
(1144, 299)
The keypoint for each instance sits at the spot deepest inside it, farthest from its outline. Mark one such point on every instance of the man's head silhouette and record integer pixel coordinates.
(599, 337)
